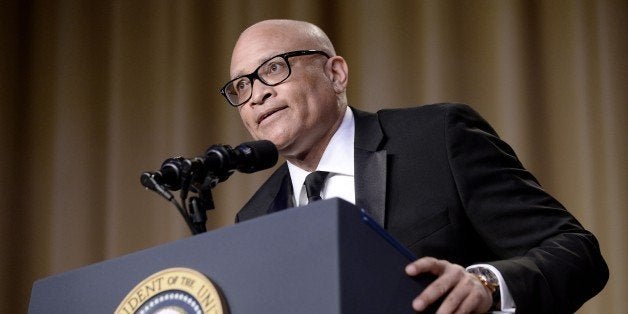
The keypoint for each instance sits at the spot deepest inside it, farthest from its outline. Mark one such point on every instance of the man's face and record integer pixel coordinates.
(296, 114)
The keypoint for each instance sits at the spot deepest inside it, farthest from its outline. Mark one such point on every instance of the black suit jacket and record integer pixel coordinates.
(440, 180)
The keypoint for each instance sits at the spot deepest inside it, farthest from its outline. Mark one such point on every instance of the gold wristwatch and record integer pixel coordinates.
(490, 281)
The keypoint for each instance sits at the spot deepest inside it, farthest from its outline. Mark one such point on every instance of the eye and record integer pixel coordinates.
(274, 67)
(242, 84)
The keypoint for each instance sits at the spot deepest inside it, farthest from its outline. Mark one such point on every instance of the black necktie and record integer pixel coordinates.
(314, 184)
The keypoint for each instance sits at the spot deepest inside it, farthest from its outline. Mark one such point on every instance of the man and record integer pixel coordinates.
(436, 177)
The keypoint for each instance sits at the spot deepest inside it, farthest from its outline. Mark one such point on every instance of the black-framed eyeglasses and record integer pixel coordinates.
(271, 72)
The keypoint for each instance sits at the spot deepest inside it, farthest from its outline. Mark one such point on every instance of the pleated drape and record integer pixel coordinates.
(93, 93)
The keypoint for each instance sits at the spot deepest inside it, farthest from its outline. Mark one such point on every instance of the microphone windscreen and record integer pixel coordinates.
(258, 155)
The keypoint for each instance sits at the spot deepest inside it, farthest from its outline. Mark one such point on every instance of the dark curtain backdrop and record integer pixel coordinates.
(95, 92)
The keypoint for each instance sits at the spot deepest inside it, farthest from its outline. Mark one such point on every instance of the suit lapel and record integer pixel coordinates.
(284, 197)
(274, 195)
(370, 165)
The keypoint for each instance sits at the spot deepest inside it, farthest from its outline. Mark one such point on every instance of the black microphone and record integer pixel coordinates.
(247, 157)
(219, 161)
(173, 171)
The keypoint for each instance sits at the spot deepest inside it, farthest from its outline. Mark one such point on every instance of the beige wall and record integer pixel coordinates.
(92, 93)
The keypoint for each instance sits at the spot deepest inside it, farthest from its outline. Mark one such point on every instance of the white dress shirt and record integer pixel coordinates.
(337, 160)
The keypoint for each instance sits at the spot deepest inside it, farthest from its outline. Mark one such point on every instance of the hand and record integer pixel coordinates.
(465, 293)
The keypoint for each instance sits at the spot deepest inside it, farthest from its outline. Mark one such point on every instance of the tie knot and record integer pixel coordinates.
(314, 184)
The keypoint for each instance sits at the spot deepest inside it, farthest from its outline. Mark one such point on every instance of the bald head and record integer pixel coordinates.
(294, 30)
(277, 36)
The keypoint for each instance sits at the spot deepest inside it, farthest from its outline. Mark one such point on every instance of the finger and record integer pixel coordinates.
(425, 264)
(455, 297)
(468, 296)
(479, 300)
(445, 282)
(475, 302)
(429, 295)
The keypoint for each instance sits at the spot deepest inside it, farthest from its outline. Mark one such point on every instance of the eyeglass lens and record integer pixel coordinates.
(271, 72)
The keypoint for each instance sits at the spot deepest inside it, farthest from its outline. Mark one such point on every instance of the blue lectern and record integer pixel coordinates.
(327, 257)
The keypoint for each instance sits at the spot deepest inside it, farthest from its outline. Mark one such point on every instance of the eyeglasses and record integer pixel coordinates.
(272, 73)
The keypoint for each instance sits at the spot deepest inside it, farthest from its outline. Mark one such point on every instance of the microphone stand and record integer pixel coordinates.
(148, 181)
(194, 211)
(186, 217)
(198, 215)
(197, 206)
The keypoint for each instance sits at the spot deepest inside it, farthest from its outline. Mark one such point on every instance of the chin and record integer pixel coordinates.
(279, 138)
(283, 147)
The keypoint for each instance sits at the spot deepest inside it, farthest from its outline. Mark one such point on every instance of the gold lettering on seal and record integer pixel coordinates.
(206, 297)
(186, 280)
(141, 293)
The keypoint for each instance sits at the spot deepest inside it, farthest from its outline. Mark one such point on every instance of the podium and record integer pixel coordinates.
(327, 257)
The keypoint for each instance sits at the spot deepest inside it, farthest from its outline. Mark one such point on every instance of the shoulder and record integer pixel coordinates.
(432, 117)
(439, 116)
(414, 113)
(427, 110)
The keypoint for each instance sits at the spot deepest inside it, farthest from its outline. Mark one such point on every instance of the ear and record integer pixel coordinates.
(337, 71)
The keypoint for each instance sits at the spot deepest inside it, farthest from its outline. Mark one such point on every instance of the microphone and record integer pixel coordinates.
(174, 170)
(247, 157)
(219, 161)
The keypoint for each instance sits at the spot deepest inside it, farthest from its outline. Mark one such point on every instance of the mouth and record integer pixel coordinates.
(269, 113)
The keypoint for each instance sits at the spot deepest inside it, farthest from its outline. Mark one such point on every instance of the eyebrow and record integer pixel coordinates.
(259, 62)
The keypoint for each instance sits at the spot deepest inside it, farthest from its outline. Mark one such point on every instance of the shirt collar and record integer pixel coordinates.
(337, 157)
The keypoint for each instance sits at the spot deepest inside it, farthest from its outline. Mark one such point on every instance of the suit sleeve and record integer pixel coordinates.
(550, 262)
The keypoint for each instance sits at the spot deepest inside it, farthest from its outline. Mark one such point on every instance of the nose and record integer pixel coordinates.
(260, 92)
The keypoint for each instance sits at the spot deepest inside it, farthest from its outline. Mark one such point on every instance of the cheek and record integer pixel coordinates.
(247, 118)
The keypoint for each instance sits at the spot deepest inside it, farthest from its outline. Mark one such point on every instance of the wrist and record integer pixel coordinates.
(490, 281)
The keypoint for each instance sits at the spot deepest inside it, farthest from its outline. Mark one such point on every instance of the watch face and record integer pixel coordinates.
(491, 278)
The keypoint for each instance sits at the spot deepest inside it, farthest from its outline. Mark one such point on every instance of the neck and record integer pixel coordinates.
(308, 158)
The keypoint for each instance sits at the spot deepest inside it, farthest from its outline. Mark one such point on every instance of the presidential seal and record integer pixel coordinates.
(173, 291)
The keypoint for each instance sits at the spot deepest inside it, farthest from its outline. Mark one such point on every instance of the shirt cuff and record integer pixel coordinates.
(507, 302)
